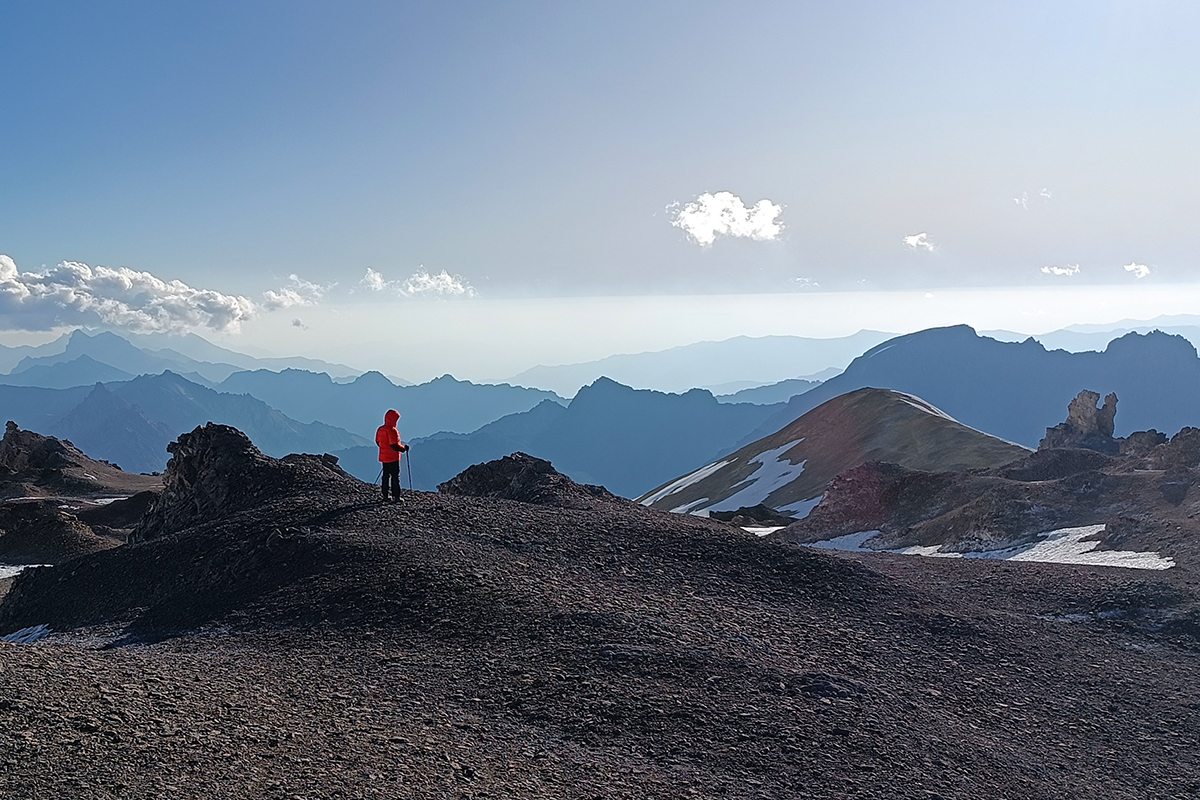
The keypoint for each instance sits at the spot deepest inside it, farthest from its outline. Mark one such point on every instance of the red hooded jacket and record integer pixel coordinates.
(386, 436)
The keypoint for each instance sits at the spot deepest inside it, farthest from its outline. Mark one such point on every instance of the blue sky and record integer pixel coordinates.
(544, 149)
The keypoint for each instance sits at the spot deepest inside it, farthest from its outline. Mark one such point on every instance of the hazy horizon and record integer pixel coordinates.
(479, 190)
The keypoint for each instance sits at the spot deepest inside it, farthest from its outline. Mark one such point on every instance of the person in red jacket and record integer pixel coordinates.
(390, 448)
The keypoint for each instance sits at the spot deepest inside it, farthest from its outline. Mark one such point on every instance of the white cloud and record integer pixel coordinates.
(1044, 194)
(373, 281)
(76, 294)
(421, 283)
(724, 214)
(299, 323)
(1069, 269)
(298, 293)
(1138, 270)
(1023, 200)
(917, 241)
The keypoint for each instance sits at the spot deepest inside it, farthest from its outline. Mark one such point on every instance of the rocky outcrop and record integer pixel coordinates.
(39, 532)
(526, 479)
(31, 463)
(1088, 426)
(216, 471)
(752, 516)
(28, 454)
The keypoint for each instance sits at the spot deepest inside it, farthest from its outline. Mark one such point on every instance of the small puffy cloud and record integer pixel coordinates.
(1053, 269)
(443, 284)
(373, 281)
(1044, 194)
(724, 214)
(76, 294)
(299, 323)
(298, 292)
(1138, 270)
(421, 283)
(919, 241)
(1023, 200)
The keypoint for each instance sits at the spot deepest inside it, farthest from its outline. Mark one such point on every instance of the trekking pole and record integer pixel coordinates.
(409, 462)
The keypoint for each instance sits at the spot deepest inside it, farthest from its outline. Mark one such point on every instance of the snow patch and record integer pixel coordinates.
(773, 472)
(850, 542)
(684, 482)
(9, 570)
(27, 635)
(686, 508)
(921, 405)
(801, 508)
(762, 531)
(1061, 546)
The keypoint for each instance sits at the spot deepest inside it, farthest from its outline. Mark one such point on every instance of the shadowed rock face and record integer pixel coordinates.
(39, 532)
(526, 479)
(216, 470)
(31, 463)
(1088, 425)
(29, 453)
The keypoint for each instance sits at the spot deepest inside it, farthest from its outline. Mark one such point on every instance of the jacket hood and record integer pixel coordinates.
(390, 417)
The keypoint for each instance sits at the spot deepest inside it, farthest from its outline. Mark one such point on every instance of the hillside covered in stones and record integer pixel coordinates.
(273, 631)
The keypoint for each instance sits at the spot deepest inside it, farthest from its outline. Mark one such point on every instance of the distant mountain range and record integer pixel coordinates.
(131, 422)
(1015, 390)
(622, 438)
(740, 362)
(443, 404)
(135, 354)
(790, 469)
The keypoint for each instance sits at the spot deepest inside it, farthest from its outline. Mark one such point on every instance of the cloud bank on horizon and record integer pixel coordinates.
(724, 214)
(76, 294)
(73, 293)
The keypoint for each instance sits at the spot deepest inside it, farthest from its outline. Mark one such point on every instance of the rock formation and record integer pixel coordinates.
(25, 453)
(526, 479)
(33, 464)
(1088, 426)
(216, 470)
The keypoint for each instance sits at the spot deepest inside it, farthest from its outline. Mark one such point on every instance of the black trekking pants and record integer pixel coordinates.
(391, 472)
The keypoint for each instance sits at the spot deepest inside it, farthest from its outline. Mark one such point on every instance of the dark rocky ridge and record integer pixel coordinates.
(457, 646)
(216, 471)
(32, 463)
(526, 479)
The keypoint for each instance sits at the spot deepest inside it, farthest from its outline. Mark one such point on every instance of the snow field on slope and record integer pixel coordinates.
(684, 482)
(1061, 546)
(773, 472)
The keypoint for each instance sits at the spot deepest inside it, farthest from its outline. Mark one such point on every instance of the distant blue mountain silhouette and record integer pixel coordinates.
(444, 404)
(627, 440)
(131, 422)
(66, 360)
(1015, 390)
(80, 371)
